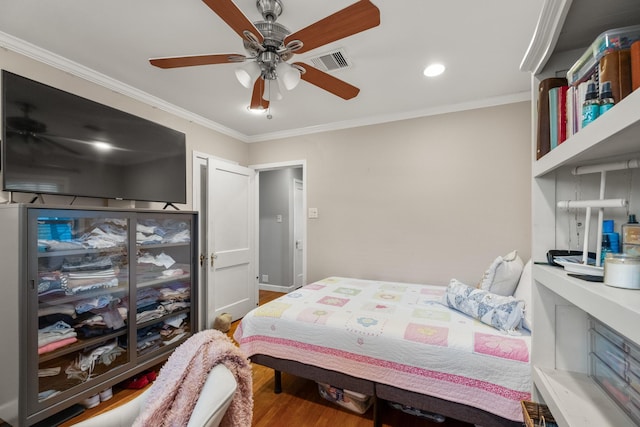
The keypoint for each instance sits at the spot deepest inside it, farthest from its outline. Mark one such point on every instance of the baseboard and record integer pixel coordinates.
(275, 288)
(9, 413)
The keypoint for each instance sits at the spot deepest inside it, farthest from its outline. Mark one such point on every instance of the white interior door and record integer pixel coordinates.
(232, 286)
(200, 164)
(298, 233)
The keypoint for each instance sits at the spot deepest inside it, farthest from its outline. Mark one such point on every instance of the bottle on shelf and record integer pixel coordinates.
(631, 236)
(591, 105)
(606, 98)
(614, 238)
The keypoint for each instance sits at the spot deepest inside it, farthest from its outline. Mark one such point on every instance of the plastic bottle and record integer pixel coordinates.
(631, 236)
(614, 238)
(591, 105)
(606, 98)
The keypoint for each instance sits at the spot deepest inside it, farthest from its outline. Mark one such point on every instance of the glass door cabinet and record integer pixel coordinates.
(105, 294)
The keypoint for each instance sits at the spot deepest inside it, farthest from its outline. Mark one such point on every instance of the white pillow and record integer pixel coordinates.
(501, 278)
(523, 292)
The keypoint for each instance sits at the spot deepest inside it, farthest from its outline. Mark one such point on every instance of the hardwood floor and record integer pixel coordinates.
(300, 403)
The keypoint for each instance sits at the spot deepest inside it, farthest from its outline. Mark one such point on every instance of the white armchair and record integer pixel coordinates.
(212, 404)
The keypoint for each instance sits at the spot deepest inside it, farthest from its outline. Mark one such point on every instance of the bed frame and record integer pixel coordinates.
(381, 392)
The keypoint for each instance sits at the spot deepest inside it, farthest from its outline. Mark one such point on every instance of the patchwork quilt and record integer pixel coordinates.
(397, 334)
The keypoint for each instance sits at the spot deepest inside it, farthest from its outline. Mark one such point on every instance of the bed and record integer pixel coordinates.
(396, 342)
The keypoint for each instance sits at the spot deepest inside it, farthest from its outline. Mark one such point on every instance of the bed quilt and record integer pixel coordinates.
(397, 334)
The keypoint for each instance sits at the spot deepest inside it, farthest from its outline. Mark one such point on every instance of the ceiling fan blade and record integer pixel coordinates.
(56, 144)
(189, 61)
(327, 82)
(351, 20)
(229, 13)
(257, 102)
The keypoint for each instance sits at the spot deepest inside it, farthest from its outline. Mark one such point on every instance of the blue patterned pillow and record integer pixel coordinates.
(502, 312)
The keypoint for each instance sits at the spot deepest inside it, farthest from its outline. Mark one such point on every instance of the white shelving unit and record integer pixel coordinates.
(612, 135)
(563, 305)
(619, 308)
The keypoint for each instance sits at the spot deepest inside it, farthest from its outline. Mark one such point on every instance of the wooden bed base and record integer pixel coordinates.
(381, 392)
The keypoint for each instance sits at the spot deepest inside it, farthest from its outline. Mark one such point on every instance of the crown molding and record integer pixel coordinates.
(374, 120)
(545, 37)
(41, 55)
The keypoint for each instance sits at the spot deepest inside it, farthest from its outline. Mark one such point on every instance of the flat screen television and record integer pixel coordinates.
(55, 142)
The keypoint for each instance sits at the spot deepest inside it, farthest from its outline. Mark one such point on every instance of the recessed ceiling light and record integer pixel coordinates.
(434, 70)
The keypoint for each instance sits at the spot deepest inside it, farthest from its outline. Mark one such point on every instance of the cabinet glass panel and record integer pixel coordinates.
(83, 298)
(164, 279)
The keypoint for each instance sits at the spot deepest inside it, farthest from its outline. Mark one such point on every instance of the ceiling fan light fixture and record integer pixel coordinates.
(257, 110)
(290, 76)
(268, 44)
(102, 146)
(434, 70)
(248, 73)
(271, 90)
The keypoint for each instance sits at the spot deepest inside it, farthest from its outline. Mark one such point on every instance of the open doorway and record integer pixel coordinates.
(281, 226)
(222, 295)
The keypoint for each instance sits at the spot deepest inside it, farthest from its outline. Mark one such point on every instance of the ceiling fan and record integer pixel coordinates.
(34, 132)
(270, 45)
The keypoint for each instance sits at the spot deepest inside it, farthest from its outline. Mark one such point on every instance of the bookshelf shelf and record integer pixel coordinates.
(614, 134)
(575, 399)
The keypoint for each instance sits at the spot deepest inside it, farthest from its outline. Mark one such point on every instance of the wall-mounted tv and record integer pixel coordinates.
(55, 142)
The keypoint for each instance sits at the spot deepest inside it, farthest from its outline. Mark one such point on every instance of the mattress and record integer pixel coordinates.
(396, 334)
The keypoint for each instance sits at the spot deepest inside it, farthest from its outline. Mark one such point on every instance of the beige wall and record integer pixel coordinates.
(198, 137)
(420, 200)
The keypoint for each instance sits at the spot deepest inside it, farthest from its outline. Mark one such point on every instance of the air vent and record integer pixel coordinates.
(331, 61)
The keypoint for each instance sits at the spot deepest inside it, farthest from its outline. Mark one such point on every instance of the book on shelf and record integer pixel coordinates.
(543, 135)
(575, 98)
(570, 111)
(553, 117)
(562, 113)
(635, 65)
(557, 115)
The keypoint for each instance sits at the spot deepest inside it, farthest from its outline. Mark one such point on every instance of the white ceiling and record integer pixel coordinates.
(481, 43)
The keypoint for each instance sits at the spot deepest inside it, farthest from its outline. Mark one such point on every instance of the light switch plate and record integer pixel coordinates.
(313, 212)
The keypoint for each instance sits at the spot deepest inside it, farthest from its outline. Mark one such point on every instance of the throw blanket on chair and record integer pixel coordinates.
(174, 394)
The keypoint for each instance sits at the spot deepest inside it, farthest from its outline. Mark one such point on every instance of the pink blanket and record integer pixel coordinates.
(175, 393)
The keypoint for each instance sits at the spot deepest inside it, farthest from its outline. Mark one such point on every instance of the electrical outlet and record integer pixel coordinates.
(265, 278)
